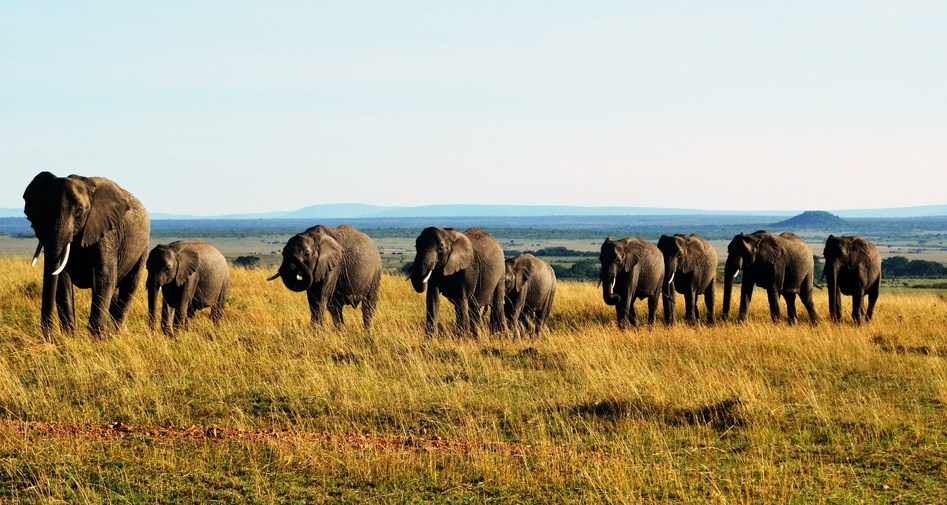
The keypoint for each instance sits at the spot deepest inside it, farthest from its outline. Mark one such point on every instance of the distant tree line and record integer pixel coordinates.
(899, 266)
(555, 251)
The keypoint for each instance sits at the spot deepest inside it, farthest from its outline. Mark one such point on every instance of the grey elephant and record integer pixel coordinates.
(95, 235)
(632, 269)
(335, 267)
(191, 275)
(690, 268)
(467, 268)
(782, 264)
(530, 285)
(853, 268)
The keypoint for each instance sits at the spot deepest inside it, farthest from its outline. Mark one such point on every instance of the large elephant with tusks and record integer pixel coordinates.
(95, 235)
(467, 268)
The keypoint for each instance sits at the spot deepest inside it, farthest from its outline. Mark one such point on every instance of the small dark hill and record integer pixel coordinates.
(813, 220)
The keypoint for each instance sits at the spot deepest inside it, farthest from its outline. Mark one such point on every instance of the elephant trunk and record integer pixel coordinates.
(730, 271)
(55, 259)
(152, 285)
(608, 288)
(296, 275)
(422, 270)
(831, 278)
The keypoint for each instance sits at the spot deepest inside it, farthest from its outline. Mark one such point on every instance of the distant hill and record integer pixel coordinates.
(813, 220)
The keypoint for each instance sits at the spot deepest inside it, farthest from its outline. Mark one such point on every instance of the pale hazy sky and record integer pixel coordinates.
(225, 107)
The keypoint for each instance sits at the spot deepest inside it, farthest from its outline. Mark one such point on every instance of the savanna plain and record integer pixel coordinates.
(265, 409)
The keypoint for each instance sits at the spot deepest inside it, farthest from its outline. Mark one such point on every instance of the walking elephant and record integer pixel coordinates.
(468, 268)
(632, 269)
(530, 285)
(191, 275)
(690, 268)
(95, 235)
(782, 264)
(852, 268)
(335, 267)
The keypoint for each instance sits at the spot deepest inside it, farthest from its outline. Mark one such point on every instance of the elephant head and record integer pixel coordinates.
(741, 252)
(67, 211)
(674, 250)
(615, 259)
(167, 265)
(516, 274)
(445, 251)
(308, 258)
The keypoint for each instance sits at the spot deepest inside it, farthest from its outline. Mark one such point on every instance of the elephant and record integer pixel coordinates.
(530, 285)
(191, 275)
(95, 235)
(632, 269)
(468, 268)
(782, 264)
(335, 267)
(690, 268)
(852, 267)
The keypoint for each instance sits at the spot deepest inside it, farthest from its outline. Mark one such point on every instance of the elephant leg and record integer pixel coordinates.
(805, 294)
(791, 308)
(746, 296)
(690, 310)
(652, 309)
(65, 304)
(475, 317)
(317, 305)
(858, 306)
(217, 310)
(773, 296)
(125, 294)
(460, 316)
(335, 310)
(497, 315)
(100, 320)
(873, 292)
(668, 306)
(167, 313)
(709, 295)
(630, 311)
(368, 310)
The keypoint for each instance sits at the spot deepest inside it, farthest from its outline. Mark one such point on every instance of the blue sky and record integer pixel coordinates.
(231, 107)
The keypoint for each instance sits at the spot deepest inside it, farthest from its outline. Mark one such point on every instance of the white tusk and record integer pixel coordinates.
(274, 277)
(65, 259)
(299, 277)
(428, 276)
(613, 283)
(39, 249)
(735, 274)
(671, 279)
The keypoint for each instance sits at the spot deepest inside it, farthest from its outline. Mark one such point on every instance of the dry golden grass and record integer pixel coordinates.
(754, 412)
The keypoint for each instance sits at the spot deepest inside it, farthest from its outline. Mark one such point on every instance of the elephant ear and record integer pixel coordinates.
(187, 265)
(329, 257)
(680, 244)
(461, 254)
(519, 278)
(631, 258)
(33, 196)
(108, 204)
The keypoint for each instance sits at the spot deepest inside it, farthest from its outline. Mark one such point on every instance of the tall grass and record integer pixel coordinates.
(734, 412)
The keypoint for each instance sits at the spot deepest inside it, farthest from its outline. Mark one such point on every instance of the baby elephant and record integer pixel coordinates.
(192, 275)
(530, 290)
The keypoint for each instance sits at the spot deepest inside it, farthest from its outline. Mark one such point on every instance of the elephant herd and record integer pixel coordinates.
(96, 236)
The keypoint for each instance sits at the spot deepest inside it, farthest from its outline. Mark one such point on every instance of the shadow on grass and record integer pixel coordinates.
(886, 344)
(720, 416)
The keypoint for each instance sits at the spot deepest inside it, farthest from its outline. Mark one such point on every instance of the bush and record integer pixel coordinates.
(247, 261)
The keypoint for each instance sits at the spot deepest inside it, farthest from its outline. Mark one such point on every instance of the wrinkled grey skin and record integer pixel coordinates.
(530, 285)
(690, 268)
(335, 267)
(852, 268)
(467, 268)
(632, 269)
(105, 231)
(191, 275)
(782, 264)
